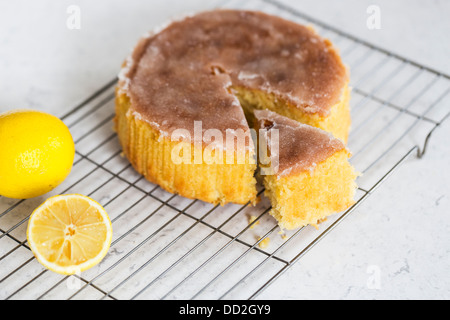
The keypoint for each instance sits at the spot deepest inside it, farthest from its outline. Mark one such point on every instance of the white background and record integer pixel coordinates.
(403, 230)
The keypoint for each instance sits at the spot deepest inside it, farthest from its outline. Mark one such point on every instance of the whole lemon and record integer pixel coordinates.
(36, 153)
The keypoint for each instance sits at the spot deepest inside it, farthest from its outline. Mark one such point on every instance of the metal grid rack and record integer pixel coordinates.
(169, 247)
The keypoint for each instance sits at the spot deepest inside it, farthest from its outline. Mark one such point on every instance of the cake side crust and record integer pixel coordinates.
(152, 155)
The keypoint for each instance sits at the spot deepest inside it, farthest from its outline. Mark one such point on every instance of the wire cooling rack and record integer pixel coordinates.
(169, 247)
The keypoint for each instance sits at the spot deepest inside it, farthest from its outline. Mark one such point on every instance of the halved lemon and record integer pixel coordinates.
(69, 234)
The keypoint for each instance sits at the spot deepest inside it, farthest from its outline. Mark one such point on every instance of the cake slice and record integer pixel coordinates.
(308, 176)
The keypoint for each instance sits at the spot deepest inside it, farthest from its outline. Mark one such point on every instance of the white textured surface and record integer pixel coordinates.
(402, 230)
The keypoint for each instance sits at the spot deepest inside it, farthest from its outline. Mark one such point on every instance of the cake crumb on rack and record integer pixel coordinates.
(283, 235)
(316, 225)
(251, 219)
(264, 243)
(321, 220)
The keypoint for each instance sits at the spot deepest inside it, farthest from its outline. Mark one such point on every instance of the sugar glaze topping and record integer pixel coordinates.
(184, 72)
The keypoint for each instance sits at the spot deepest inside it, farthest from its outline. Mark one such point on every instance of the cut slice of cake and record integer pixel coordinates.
(309, 176)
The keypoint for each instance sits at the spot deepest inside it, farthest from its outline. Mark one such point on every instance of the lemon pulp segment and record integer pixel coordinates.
(69, 233)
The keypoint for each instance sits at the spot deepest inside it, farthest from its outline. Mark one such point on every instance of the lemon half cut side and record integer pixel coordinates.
(69, 234)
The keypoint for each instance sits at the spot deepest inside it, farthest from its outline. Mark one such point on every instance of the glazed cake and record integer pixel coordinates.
(310, 177)
(216, 68)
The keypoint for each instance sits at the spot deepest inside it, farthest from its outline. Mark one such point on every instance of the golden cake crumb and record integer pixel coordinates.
(264, 243)
(316, 225)
(251, 220)
(283, 235)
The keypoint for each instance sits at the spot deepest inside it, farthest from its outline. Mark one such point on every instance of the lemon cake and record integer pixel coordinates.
(202, 77)
(308, 176)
